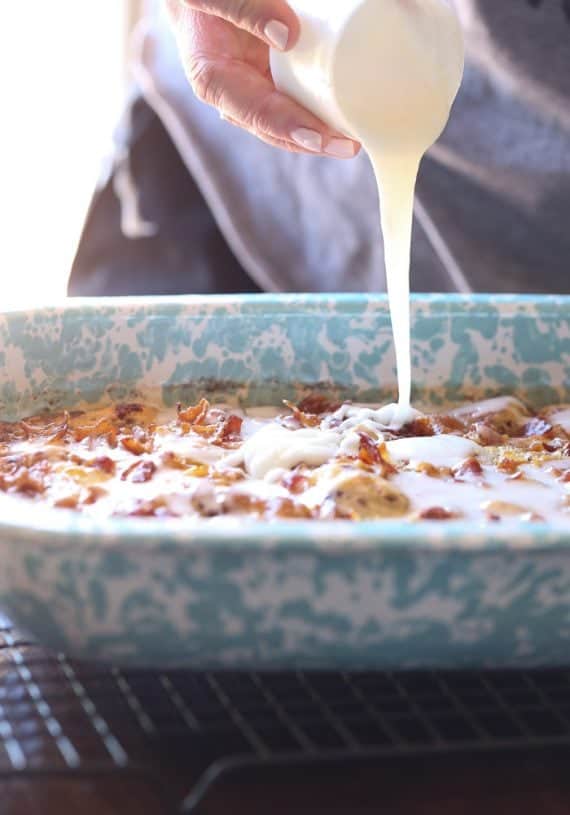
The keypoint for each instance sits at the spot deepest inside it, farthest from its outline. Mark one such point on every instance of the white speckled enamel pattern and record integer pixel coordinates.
(378, 595)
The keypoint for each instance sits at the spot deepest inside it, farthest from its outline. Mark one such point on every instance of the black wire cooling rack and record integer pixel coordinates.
(62, 718)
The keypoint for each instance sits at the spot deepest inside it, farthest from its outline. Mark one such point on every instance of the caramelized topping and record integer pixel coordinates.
(305, 419)
(199, 468)
(140, 472)
(195, 414)
(437, 514)
(468, 470)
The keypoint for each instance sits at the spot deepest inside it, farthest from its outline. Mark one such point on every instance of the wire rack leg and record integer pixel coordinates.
(209, 779)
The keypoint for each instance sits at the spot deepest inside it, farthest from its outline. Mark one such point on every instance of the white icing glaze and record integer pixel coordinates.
(441, 451)
(191, 448)
(276, 447)
(385, 417)
(399, 68)
(487, 407)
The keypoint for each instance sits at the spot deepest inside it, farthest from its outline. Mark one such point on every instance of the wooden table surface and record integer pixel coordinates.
(517, 785)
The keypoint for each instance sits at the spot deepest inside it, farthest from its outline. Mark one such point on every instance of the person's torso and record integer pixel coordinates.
(493, 198)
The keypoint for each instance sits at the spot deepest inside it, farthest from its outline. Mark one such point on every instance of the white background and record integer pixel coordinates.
(63, 81)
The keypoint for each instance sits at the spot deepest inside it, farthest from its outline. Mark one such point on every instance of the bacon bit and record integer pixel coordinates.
(387, 466)
(69, 502)
(467, 470)
(447, 424)
(91, 495)
(52, 431)
(11, 464)
(170, 459)
(59, 433)
(317, 404)
(134, 446)
(432, 426)
(155, 508)
(296, 483)
(205, 430)
(195, 414)
(557, 445)
(508, 465)
(224, 428)
(103, 463)
(437, 514)
(372, 454)
(102, 427)
(287, 508)
(12, 431)
(34, 425)
(241, 502)
(368, 453)
(25, 481)
(485, 435)
(564, 476)
(304, 419)
(419, 427)
(125, 410)
(193, 468)
(140, 472)
(230, 430)
(432, 471)
(112, 438)
(536, 427)
(228, 476)
(537, 446)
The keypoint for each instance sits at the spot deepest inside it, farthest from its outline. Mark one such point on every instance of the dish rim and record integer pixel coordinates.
(285, 302)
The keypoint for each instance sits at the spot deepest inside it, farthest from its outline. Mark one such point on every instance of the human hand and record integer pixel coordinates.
(224, 46)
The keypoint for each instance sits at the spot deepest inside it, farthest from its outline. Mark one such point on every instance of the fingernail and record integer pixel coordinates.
(340, 148)
(309, 139)
(278, 34)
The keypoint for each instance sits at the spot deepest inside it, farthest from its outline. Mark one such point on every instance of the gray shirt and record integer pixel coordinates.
(493, 197)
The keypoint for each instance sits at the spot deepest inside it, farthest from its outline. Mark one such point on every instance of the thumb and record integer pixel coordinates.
(272, 21)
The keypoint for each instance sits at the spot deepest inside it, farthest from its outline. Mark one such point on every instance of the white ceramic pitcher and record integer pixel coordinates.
(343, 55)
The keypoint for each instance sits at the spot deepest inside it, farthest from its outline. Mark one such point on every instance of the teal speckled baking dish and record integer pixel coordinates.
(284, 595)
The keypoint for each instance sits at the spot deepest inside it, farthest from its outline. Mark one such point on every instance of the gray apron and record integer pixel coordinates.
(493, 198)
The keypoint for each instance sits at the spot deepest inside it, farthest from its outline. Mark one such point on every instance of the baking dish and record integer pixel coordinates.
(286, 594)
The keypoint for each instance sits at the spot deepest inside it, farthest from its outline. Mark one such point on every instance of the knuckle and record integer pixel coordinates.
(261, 119)
(204, 79)
(244, 12)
